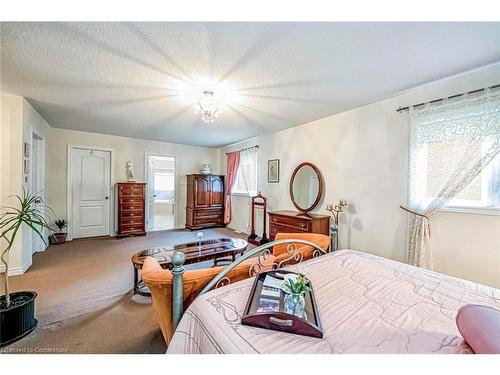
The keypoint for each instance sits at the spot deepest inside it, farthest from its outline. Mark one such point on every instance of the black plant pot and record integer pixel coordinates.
(57, 238)
(17, 320)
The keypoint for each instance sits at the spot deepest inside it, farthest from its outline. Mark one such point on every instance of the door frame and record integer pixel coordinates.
(69, 191)
(39, 169)
(176, 184)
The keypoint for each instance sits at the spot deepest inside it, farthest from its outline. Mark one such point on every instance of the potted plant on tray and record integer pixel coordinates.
(17, 309)
(59, 238)
(295, 285)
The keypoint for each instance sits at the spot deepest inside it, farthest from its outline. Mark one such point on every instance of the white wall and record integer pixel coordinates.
(363, 156)
(11, 164)
(189, 160)
(19, 121)
(33, 123)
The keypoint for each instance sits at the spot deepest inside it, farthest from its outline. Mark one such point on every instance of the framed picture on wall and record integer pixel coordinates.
(273, 170)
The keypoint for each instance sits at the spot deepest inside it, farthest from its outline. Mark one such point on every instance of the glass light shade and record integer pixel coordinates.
(208, 106)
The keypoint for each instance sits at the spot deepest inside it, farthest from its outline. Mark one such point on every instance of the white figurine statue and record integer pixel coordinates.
(129, 171)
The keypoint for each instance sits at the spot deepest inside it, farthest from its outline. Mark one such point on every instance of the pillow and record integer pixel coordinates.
(480, 327)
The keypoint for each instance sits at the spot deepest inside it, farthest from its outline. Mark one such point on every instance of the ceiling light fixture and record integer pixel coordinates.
(209, 106)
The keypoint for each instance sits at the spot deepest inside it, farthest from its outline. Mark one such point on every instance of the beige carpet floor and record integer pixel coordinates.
(85, 302)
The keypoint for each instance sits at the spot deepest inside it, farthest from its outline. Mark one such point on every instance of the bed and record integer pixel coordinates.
(367, 304)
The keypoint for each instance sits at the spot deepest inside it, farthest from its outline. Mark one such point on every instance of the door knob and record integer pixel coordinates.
(106, 197)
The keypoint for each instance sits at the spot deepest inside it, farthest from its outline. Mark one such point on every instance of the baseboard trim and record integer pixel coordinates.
(16, 271)
(237, 231)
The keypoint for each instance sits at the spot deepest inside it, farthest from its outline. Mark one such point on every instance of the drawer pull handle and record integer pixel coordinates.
(281, 322)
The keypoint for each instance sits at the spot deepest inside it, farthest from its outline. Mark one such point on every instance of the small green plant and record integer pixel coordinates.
(297, 284)
(29, 213)
(61, 224)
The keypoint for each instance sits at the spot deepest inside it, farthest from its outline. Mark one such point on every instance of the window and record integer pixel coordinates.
(246, 179)
(452, 139)
(164, 186)
(482, 192)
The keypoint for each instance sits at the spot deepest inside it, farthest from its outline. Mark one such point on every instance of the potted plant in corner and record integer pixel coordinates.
(59, 238)
(17, 309)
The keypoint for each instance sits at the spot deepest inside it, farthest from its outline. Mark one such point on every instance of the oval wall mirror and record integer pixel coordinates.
(306, 187)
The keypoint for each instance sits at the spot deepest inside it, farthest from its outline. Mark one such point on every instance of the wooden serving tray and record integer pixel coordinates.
(268, 311)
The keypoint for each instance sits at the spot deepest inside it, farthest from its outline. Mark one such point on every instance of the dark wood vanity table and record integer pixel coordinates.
(306, 191)
(297, 222)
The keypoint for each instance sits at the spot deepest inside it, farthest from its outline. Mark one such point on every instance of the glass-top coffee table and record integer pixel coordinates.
(195, 252)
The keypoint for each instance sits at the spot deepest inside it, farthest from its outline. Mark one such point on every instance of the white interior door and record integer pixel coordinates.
(150, 221)
(90, 187)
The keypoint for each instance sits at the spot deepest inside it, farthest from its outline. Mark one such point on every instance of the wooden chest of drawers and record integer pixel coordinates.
(297, 222)
(131, 208)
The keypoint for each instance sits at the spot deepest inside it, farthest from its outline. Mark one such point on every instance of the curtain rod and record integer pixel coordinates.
(246, 148)
(404, 109)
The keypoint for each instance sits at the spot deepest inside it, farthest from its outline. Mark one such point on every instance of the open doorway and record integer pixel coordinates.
(160, 177)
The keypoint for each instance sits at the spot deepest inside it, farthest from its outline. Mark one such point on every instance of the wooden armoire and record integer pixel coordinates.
(205, 201)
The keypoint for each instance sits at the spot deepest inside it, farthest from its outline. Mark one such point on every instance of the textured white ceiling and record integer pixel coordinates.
(137, 79)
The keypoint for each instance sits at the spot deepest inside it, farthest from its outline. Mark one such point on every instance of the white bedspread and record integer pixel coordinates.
(367, 304)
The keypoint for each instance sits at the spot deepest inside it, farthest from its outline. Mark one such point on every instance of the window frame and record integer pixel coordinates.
(489, 181)
(471, 210)
(243, 193)
(488, 185)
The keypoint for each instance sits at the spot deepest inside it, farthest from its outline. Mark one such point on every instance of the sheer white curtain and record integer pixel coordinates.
(248, 174)
(248, 171)
(450, 144)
